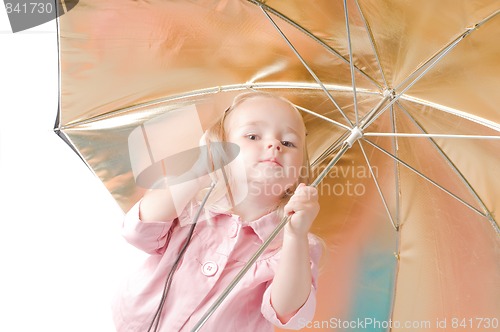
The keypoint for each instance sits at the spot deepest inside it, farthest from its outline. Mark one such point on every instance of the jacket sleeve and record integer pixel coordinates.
(150, 237)
(305, 313)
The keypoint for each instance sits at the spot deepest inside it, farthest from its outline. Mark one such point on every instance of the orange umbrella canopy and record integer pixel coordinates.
(409, 214)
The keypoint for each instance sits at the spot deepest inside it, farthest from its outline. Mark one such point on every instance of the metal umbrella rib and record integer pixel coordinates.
(307, 67)
(315, 38)
(372, 43)
(396, 165)
(391, 219)
(351, 62)
(453, 166)
(423, 176)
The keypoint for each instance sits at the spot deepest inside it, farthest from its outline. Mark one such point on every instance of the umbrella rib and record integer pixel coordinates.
(372, 43)
(330, 150)
(435, 59)
(374, 134)
(455, 168)
(315, 38)
(395, 148)
(396, 165)
(396, 227)
(311, 72)
(431, 63)
(337, 144)
(202, 92)
(467, 116)
(305, 110)
(351, 63)
(426, 178)
(428, 65)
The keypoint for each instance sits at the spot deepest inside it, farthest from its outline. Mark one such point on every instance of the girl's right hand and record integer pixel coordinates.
(167, 201)
(303, 207)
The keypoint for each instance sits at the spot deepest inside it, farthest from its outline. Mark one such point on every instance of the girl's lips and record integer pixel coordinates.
(271, 161)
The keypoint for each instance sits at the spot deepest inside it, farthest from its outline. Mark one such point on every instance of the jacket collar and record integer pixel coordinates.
(262, 226)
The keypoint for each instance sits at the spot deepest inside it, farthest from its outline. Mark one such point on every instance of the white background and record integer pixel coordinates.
(61, 252)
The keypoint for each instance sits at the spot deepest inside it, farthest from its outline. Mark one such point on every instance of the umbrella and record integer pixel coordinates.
(406, 91)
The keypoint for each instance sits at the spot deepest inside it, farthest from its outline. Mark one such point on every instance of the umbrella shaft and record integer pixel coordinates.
(330, 165)
(367, 119)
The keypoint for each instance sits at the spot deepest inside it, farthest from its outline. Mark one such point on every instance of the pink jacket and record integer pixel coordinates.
(220, 246)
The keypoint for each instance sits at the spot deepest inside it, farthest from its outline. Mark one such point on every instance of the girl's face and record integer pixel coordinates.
(271, 137)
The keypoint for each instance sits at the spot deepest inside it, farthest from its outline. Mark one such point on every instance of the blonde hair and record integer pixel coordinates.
(219, 158)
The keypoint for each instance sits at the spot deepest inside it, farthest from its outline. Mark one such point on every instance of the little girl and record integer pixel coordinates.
(279, 289)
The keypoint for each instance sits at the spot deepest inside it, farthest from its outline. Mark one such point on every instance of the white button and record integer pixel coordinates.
(209, 269)
(233, 230)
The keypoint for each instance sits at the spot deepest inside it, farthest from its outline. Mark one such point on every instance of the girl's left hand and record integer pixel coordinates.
(303, 207)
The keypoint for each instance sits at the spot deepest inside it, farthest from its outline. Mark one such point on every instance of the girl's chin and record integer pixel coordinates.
(264, 199)
(267, 187)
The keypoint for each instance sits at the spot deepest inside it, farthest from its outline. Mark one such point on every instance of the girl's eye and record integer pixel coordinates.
(252, 137)
(288, 144)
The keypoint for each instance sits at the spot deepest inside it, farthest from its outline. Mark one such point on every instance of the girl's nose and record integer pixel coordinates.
(273, 145)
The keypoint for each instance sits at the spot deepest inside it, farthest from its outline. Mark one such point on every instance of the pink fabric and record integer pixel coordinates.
(220, 246)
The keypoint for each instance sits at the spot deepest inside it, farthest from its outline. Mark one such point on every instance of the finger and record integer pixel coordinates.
(288, 209)
(292, 206)
(299, 205)
(305, 194)
(304, 188)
